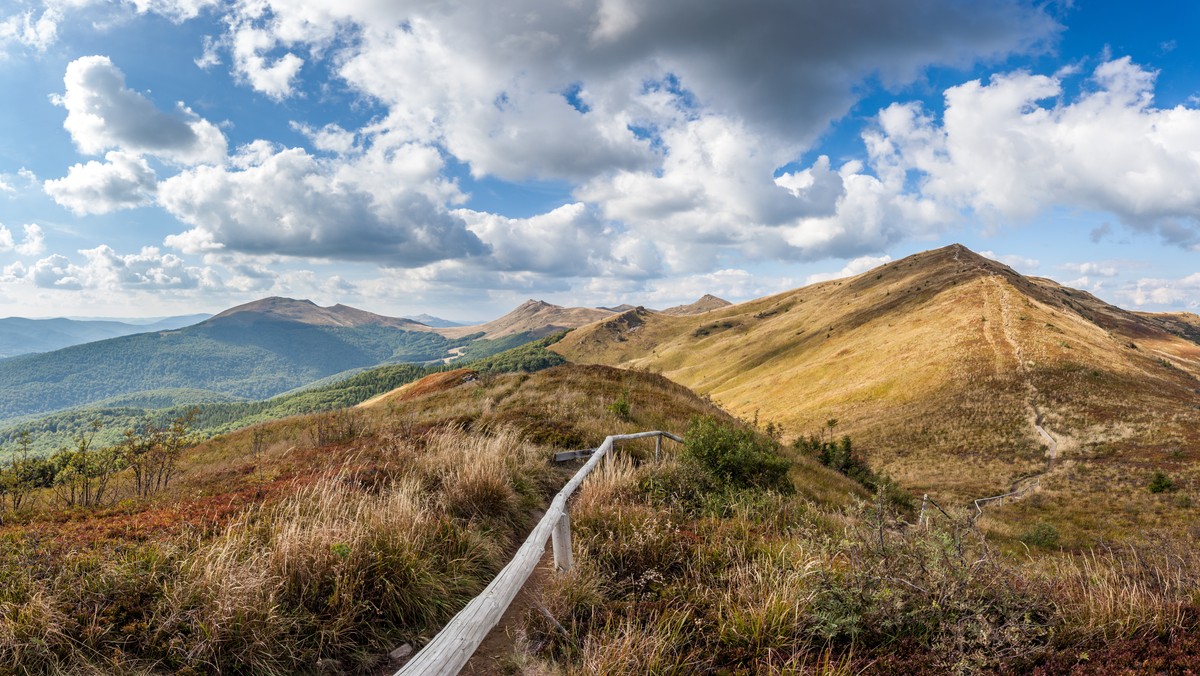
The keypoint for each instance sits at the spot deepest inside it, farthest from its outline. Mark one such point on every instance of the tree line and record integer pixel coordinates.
(84, 473)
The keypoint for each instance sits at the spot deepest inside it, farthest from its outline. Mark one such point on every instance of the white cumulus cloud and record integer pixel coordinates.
(1015, 146)
(386, 207)
(855, 267)
(1165, 292)
(32, 244)
(30, 29)
(570, 241)
(103, 113)
(122, 181)
(1015, 261)
(105, 269)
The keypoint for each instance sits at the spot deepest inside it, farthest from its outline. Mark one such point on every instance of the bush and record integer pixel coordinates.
(737, 458)
(842, 457)
(1041, 535)
(620, 407)
(1161, 483)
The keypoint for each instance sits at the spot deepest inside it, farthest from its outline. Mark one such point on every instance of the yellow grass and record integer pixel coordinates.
(935, 366)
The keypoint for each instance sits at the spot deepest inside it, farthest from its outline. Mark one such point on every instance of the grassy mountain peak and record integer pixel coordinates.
(536, 318)
(703, 304)
(939, 364)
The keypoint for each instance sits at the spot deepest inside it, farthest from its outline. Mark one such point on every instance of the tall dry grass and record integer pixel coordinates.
(1125, 593)
(379, 550)
(757, 582)
(338, 569)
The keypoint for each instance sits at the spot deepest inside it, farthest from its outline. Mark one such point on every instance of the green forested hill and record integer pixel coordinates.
(247, 359)
(218, 413)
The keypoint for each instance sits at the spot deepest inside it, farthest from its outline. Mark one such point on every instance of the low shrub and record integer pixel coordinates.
(737, 458)
(620, 407)
(1161, 483)
(1043, 534)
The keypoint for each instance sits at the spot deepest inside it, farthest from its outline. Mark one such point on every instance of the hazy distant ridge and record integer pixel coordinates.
(19, 335)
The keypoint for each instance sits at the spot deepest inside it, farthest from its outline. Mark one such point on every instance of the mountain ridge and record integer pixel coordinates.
(22, 335)
(305, 311)
(939, 362)
(537, 318)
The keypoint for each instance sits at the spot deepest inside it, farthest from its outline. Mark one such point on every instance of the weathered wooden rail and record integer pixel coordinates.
(457, 641)
(1013, 495)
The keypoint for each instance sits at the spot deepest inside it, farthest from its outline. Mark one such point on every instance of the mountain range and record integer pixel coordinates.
(957, 374)
(19, 335)
(255, 351)
(1012, 490)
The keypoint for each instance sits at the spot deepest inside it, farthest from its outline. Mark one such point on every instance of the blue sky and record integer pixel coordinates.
(173, 156)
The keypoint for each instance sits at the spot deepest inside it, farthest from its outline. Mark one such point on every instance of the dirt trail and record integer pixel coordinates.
(493, 655)
(1023, 485)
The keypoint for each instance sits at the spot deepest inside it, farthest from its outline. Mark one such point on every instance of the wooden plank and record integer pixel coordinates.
(458, 640)
(564, 456)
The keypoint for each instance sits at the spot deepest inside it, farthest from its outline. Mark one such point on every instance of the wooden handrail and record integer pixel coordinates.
(457, 641)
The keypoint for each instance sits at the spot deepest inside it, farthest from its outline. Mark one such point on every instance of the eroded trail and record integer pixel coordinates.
(1023, 486)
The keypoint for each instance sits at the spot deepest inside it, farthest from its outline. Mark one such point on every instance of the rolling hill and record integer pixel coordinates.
(705, 303)
(19, 335)
(939, 365)
(251, 351)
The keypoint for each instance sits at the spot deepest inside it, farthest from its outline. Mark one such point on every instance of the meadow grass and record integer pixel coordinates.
(754, 581)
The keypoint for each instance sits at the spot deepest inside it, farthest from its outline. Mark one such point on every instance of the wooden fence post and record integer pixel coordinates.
(560, 538)
(657, 446)
(921, 518)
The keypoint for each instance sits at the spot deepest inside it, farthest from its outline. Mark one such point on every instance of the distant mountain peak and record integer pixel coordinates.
(537, 306)
(435, 322)
(535, 317)
(304, 311)
(623, 307)
(705, 303)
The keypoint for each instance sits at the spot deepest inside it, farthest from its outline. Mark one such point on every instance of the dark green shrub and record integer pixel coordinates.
(684, 484)
(842, 457)
(1161, 483)
(1041, 535)
(737, 458)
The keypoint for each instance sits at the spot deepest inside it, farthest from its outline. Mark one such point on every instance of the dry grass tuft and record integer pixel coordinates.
(1127, 593)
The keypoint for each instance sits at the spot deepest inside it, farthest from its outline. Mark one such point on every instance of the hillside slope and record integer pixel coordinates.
(254, 351)
(19, 335)
(322, 539)
(535, 318)
(939, 364)
(703, 304)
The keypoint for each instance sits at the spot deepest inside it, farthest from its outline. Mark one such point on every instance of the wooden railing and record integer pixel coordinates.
(1013, 495)
(457, 641)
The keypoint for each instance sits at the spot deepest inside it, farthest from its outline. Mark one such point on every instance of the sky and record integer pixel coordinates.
(456, 157)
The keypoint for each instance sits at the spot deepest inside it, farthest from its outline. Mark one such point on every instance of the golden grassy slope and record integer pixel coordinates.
(934, 364)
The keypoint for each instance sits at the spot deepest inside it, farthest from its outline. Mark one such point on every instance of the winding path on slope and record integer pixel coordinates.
(1023, 486)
